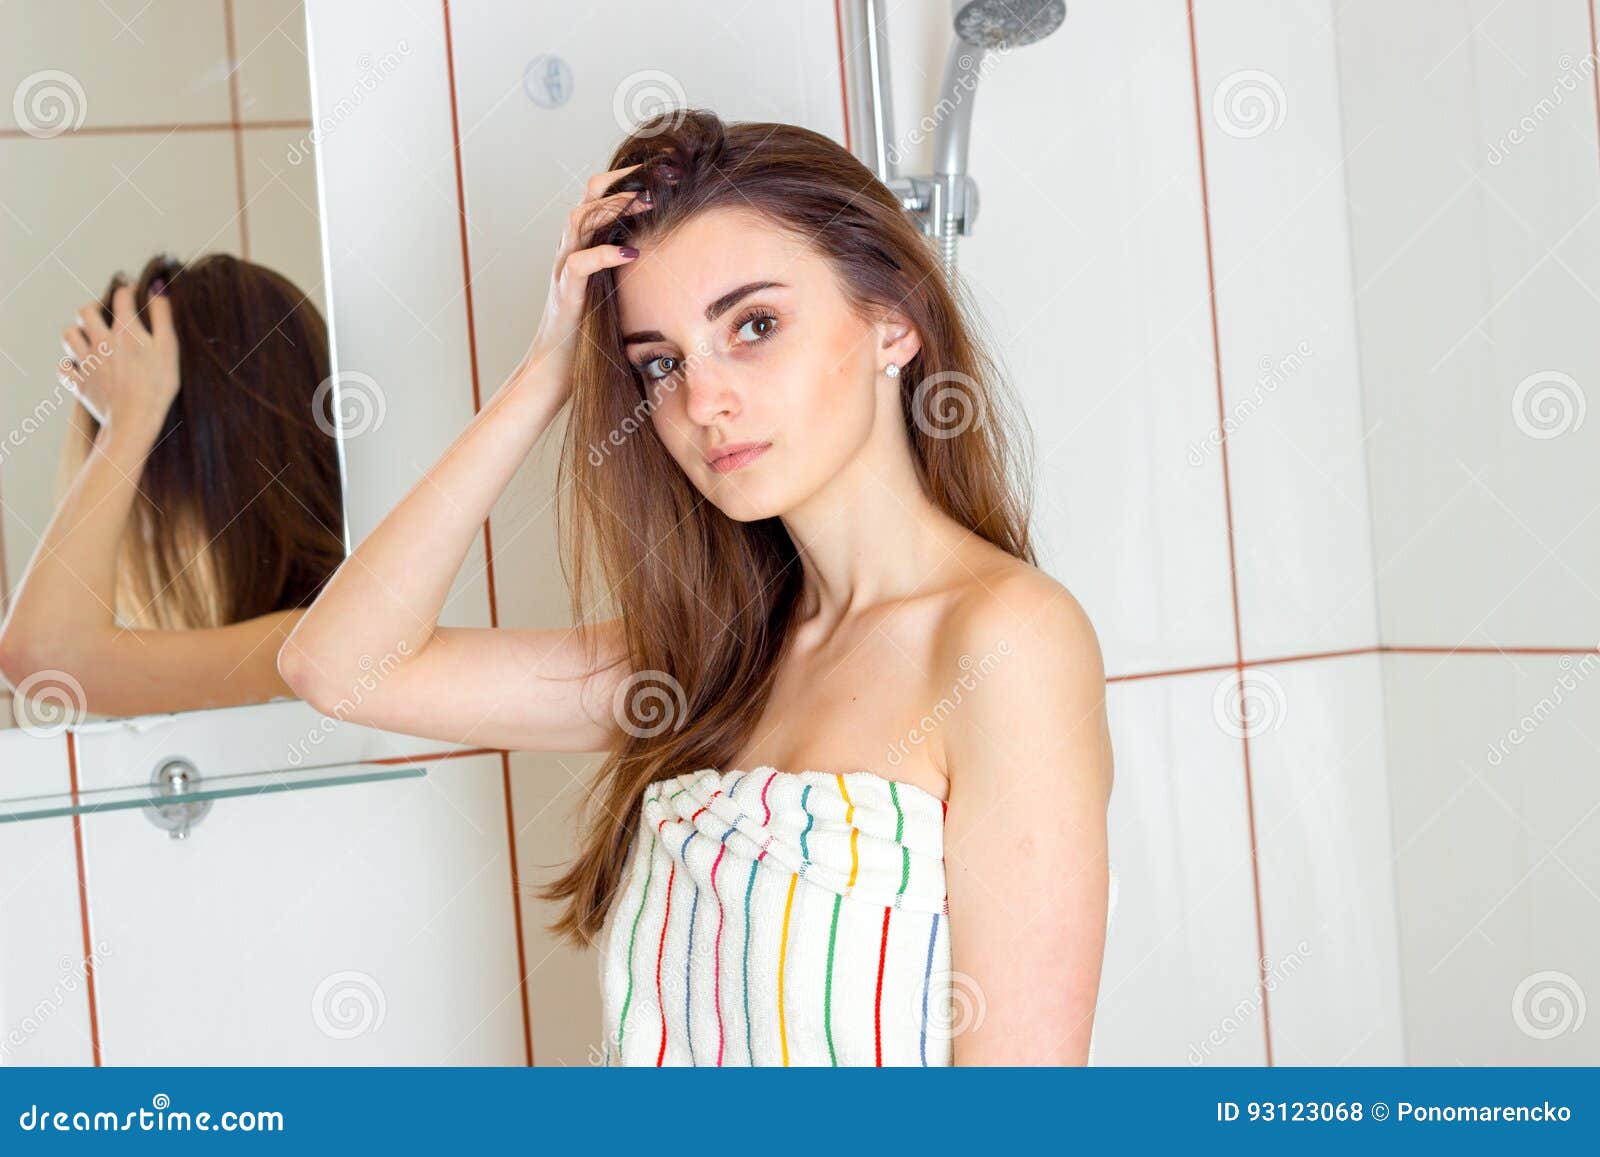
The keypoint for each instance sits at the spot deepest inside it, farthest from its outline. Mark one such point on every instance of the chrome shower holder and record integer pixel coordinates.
(944, 204)
(176, 777)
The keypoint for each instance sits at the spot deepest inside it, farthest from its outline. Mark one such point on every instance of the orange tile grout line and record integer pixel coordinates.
(1227, 506)
(83, 903)
(238, 137)
(488, 545)
(844, 84)
(183, 127)
(1594, 54)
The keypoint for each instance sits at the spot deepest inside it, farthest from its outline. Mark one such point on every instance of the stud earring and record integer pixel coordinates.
(892, 370)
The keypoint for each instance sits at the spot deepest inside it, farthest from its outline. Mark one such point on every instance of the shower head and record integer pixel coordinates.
(1006, 24)
(984, 25)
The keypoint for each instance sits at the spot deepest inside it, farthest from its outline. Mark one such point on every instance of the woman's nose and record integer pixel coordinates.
(709, 395)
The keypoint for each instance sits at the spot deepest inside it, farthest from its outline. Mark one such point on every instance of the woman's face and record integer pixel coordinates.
(742, 337)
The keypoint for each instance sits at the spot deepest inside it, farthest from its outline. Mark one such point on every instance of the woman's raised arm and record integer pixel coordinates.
(370, 649)
(62, 631)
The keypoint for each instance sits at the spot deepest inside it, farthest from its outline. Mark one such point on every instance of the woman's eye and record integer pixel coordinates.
(644, 368)
(762, 320)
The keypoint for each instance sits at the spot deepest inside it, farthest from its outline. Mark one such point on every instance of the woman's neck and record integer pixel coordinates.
(871, 537)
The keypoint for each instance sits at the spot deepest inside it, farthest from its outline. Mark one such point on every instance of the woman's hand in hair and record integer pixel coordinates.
(126, 373)
(549, 358)
(534, 689)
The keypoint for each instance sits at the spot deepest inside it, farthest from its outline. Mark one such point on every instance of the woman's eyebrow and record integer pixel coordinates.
(713, 311)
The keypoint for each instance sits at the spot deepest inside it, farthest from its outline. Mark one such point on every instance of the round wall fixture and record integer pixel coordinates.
(176, 778)
(548, 81)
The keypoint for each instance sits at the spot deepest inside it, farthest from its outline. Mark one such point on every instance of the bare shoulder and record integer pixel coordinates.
(1016, 610)
(1028, 661)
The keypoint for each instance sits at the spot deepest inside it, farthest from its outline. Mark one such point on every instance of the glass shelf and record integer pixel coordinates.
(41, 807)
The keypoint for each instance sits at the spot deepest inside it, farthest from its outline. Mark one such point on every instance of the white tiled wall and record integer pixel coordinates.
(1347, 287)
(1474, 274)
(1473, 175)
(1180, 980)
(325, 925)
(151, 168)
(44, 980)
(322, 926)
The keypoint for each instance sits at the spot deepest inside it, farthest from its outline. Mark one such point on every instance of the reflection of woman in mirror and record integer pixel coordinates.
(836, 672)
(200, 508)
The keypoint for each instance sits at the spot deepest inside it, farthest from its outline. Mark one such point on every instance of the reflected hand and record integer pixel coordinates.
(125, 374)
(550, 355)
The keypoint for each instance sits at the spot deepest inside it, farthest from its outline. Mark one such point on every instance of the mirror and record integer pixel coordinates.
(170, 467)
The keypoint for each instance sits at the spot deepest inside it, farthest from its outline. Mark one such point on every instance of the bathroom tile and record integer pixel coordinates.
(1295, 429)
(44, 1002)
(1094, 294)
(563, 981)
(1495, 795)
(94, 205)
(340, 912)
(274, 74)
(92, 61)
(399, 311)
(519, 200)
(280, 180)
(1474, 266)
(1317, 766)
(1179, 984)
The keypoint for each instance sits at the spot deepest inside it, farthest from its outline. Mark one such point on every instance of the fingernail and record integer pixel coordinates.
(646, 197)
(158, 288)
(629, 251)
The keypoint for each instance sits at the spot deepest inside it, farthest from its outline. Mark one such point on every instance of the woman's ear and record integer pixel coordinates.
(900, 341)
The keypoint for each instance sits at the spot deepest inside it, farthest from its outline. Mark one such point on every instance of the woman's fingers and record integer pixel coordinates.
(123, 315)
(75, 343)
(598, 206)
(579, 266)
(92, 323)
(158, 307)
(551, 351)
(586, 216)
(598, 183)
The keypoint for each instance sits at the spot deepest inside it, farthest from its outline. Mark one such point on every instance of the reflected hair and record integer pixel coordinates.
(239, 509)
(707, 603)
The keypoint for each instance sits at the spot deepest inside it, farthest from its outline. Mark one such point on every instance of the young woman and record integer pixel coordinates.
(835, 688)
(201, 507)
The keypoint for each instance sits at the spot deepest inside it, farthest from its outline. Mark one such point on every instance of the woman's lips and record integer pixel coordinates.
(728, 463)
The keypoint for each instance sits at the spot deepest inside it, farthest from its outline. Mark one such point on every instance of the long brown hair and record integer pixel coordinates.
(239, 509)
(708, 608)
